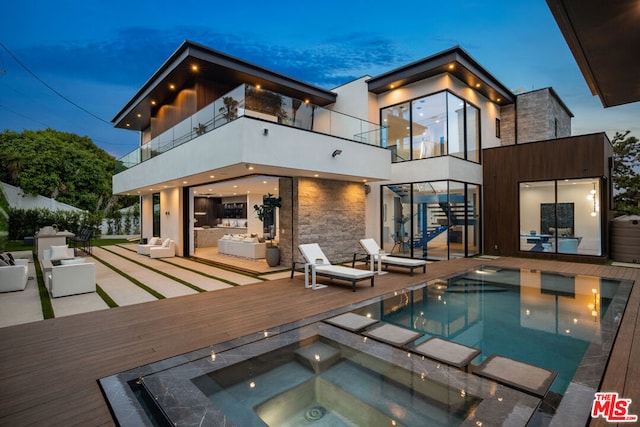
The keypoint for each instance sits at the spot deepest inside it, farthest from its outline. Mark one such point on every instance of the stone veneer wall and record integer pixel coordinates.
(508, 125)
(537, 113)
(330, 213)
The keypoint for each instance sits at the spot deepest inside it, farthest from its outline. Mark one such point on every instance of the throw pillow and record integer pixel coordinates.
(59, 252)
(3, 263)
(166, 243)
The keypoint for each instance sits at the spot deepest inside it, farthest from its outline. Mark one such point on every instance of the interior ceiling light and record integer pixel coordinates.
(139, 115)
(194, 67)
(477, 84)
(153, 102)
(451, 66)
(172, 86)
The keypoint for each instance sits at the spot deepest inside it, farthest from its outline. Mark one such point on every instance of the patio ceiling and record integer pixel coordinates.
(193, 61)
(455, 61)
(604, 37)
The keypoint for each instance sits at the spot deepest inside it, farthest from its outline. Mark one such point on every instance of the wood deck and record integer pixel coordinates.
(49, 369)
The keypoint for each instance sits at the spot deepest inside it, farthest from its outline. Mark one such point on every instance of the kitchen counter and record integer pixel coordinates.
(208, 237)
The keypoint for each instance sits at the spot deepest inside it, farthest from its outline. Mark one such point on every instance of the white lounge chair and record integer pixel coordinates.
(375, 254)
(317, 261)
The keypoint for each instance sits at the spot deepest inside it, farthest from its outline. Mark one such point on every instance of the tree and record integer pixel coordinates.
(64, 166)
(626, 173)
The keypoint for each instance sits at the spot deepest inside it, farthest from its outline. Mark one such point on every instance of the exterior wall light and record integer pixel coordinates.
(336, 153)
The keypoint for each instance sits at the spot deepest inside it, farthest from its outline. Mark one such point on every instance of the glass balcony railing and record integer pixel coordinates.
(250, 101)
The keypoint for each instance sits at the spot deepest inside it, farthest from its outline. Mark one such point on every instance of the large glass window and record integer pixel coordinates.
(429, 126)
(561, 216)
(435, 125)
(396, 122)
(434, 220)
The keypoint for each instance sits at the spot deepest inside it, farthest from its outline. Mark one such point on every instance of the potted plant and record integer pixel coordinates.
(265, 211)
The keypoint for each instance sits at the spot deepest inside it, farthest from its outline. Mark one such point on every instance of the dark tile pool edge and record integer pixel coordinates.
(575, 406)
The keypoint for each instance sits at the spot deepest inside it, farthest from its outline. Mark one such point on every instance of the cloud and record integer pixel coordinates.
(132, 55)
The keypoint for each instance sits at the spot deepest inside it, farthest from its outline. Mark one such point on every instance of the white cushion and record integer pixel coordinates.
(73, 261)
(166, 243)
(153, 241)
(59, 252)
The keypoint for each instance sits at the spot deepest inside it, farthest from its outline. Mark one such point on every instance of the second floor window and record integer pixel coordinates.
(436, 125)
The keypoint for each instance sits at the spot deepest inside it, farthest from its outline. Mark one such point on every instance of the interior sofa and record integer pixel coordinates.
(242, 246)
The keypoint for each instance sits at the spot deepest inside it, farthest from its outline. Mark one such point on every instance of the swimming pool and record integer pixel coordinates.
(559, 322)
(266, 379)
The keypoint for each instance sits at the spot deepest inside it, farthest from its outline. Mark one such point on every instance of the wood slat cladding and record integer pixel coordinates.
(585, 156)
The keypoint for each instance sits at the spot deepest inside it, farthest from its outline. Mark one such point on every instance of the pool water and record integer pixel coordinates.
(544, 319)
(323, 383)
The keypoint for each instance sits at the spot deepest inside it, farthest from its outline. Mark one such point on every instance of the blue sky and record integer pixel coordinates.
(98, 54)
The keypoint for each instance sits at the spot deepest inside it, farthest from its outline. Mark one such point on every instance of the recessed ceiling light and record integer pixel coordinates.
(172, 86)
(212, 176)
(235, 186)
(184, 182)
(264, 182)
(451, 66)
(153, 102)
(194, 67)
(477, 84)
(139, 115)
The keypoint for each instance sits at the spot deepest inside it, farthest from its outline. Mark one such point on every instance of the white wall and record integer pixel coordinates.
(19, 200)
(287, 150)
(353, 99)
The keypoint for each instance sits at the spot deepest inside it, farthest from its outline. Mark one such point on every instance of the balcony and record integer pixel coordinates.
(249, 101)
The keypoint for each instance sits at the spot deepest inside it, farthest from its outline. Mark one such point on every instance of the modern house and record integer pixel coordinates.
(436, 159)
